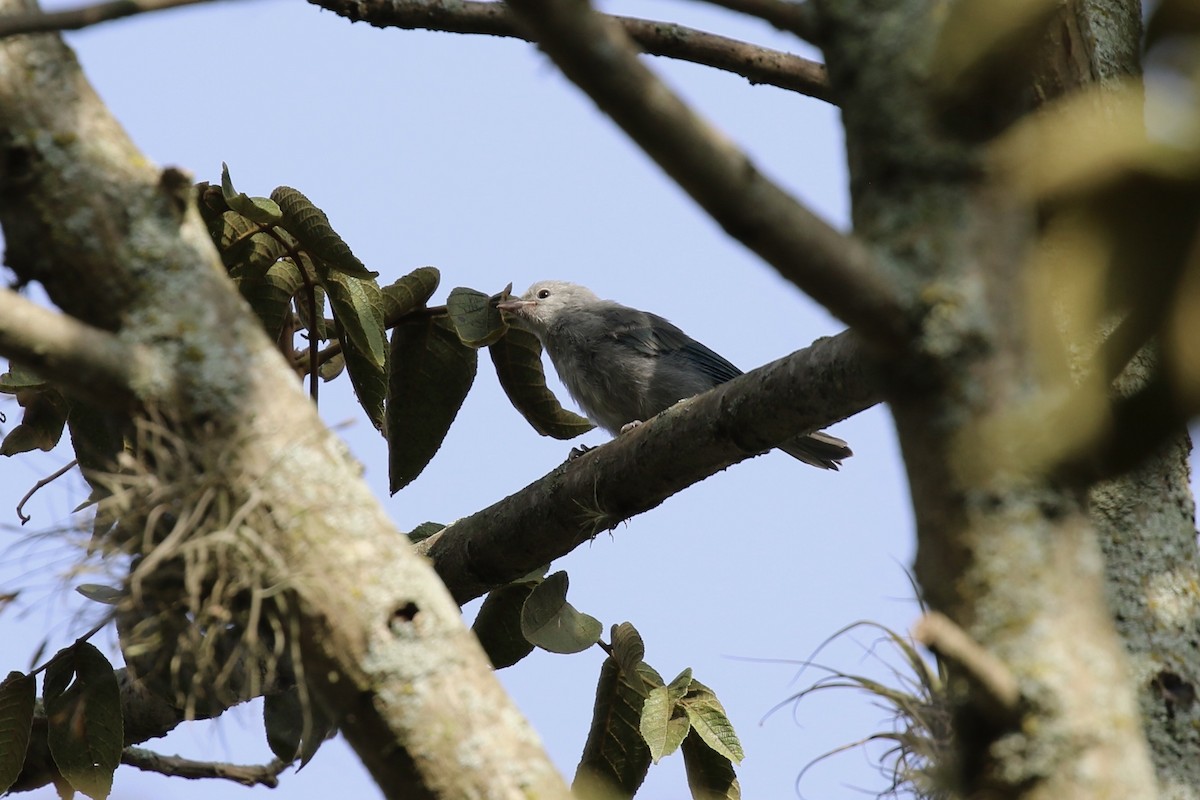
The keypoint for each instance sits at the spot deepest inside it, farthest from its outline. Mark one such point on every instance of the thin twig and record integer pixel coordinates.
(836, 270)
(21, 515)
(75, 18)
(759, 65)
(179, 767)
(956, 647)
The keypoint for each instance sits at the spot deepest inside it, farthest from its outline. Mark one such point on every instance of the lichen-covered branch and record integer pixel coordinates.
(380, 639)
(77, 356)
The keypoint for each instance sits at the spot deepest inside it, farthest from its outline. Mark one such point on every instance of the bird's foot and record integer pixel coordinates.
(577, 451)
(628, 426)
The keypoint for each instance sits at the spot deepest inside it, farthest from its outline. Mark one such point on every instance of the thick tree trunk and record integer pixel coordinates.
(1011, 557)
(120, 245)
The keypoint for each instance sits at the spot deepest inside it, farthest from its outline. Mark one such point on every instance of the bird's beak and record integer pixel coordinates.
(516, 305)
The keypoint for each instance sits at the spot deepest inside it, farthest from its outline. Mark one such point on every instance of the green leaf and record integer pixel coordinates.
(333, 367)
(256, 209)
(358, 306)
(42, 424)
(517, 357)
(270, 292)
(99, 593)
(17, 694)
(681, 685)
(615, 757)
(246, 248)
(553, 624)
(424, 531)
(710, 775)
(283, 717)
(311, 228)
(358, 314)
(627, 646)
(97, 436)
(664, 723)
(409, 293)
(84, 725)
(430, 373)
(710, 721)
(19, 377)
(475, 317)
(498, 624)
(295, 730)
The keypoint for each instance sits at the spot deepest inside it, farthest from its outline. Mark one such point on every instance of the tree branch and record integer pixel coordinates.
(836, 270)
(997, 686)
(179, 767)
(759, 65)
(379, 637)
(77, 356)
(639, 469)
(75, 18)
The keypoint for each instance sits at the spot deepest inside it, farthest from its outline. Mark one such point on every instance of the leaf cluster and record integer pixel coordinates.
(290, 265)
(638, 718)
(82, 713)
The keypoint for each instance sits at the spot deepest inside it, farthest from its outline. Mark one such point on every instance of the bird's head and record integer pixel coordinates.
(543, 302)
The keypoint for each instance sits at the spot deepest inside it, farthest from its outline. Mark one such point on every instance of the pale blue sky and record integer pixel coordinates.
(472, 154)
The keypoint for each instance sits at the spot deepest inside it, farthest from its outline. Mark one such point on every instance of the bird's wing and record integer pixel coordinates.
(654, 336)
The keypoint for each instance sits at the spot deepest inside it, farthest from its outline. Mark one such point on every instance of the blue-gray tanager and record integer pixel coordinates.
(623, 366)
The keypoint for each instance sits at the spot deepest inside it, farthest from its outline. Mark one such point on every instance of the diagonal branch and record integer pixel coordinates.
(756, 64)
(78, 356)
(836, 270)
(75, 18)
(640, 469)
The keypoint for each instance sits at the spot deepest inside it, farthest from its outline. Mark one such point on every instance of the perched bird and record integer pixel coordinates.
(623, 366)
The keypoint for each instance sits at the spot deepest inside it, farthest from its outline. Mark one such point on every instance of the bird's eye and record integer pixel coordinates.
(543, 294)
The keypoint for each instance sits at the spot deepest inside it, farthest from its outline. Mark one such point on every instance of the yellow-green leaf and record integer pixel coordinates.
(99, 593)
(498, 624)
(19, 377)
(709, 720)
(664, 724)
(553, 624)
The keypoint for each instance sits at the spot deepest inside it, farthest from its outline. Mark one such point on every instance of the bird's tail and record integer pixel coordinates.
(819, 449)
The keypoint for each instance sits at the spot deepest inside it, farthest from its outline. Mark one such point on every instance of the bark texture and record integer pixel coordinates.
(119, 245)
(1011, 557)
